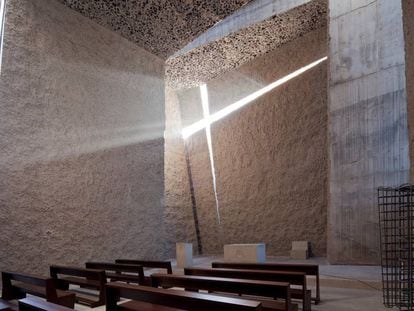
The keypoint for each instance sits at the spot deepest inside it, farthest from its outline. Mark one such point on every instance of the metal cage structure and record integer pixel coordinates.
(396, 217)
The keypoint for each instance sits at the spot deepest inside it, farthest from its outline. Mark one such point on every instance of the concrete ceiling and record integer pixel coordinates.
(160, 26)
(208, 61)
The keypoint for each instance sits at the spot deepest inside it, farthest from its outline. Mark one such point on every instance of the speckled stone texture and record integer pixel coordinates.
(211, 60)
(408, 13)
(81, 140)
(178, 215)
(160, 26)
(262, 152)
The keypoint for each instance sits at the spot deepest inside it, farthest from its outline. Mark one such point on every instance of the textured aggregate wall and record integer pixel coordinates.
(368, 140)
(178, 216)
(270, 156)
(81, 140)
(408, 13)
(160, 26)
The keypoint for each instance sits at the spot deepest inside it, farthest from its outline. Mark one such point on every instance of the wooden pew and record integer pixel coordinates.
(275, 290)
(294, 278)
(308, 269)
(116, 272)
(148, 264)
(17, 285)
(149, 298)
(36, 304)
(7, 306)
(89, 278)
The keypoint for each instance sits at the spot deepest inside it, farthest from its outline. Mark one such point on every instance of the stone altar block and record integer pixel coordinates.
(245, 252)
(184, 255)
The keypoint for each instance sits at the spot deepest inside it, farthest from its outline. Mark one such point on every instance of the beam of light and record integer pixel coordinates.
(207, 121)
(206, 114)
(2, 18)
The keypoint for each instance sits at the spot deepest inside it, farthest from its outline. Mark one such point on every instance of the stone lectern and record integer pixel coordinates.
(184, 255)
(245, 253)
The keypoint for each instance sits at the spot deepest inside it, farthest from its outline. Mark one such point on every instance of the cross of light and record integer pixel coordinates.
(210, 119)
(206, 115)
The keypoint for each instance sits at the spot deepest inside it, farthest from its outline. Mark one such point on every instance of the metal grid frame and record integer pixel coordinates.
(396, 216)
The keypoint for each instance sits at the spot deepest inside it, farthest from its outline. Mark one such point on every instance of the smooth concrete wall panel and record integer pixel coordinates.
(368, 138)
(81, 137)
(408, 10)
(263, 151)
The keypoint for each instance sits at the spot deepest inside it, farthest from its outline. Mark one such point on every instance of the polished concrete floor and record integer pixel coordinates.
(343, 288)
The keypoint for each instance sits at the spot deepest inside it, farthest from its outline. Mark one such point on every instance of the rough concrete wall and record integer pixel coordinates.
(179, 218)
(263, 151)
(81, 140)
(408, 13)
(367, 122)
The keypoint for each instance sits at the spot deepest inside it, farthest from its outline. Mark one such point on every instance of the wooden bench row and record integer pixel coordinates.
(308, 269)
(143, 296)
(238, 278)
(95, 275)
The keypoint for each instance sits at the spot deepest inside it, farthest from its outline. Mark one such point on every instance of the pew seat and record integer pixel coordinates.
(17, 285)
(89, 278)
(7, 306)
(130, 273)
(36, 304)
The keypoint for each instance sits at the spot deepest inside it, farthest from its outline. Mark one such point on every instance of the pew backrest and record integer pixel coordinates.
(308, 269)
(148, 264)
(35, 304)
(295, 278)
(89, 278)
(174, 298)
(17, 285)
(275, 290)
(117, 272)
(91, 274)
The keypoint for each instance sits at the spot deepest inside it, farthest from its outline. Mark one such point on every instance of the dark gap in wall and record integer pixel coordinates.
(193, 201)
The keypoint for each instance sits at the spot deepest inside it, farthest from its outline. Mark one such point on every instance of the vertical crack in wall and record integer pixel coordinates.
(206, 114)
(193, 200)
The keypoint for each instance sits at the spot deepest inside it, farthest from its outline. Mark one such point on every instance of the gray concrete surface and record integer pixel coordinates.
(368, 132)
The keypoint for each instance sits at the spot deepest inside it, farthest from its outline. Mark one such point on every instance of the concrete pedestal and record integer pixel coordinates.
(300, 250)
(245, 252)
(184, 255)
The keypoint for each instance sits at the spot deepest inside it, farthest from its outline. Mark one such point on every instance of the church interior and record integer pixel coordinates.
(207, 155)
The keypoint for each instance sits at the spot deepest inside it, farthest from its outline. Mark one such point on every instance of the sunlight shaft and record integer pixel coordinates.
(206, 114)
(210, 119)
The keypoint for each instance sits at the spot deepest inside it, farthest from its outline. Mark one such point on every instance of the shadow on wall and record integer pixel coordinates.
(92, 206)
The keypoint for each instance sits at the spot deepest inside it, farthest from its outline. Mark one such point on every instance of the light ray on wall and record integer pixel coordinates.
(206, 114)
(2, 18)
(207, 121)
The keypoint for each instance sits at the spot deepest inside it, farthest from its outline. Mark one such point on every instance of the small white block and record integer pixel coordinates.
(300, 250)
